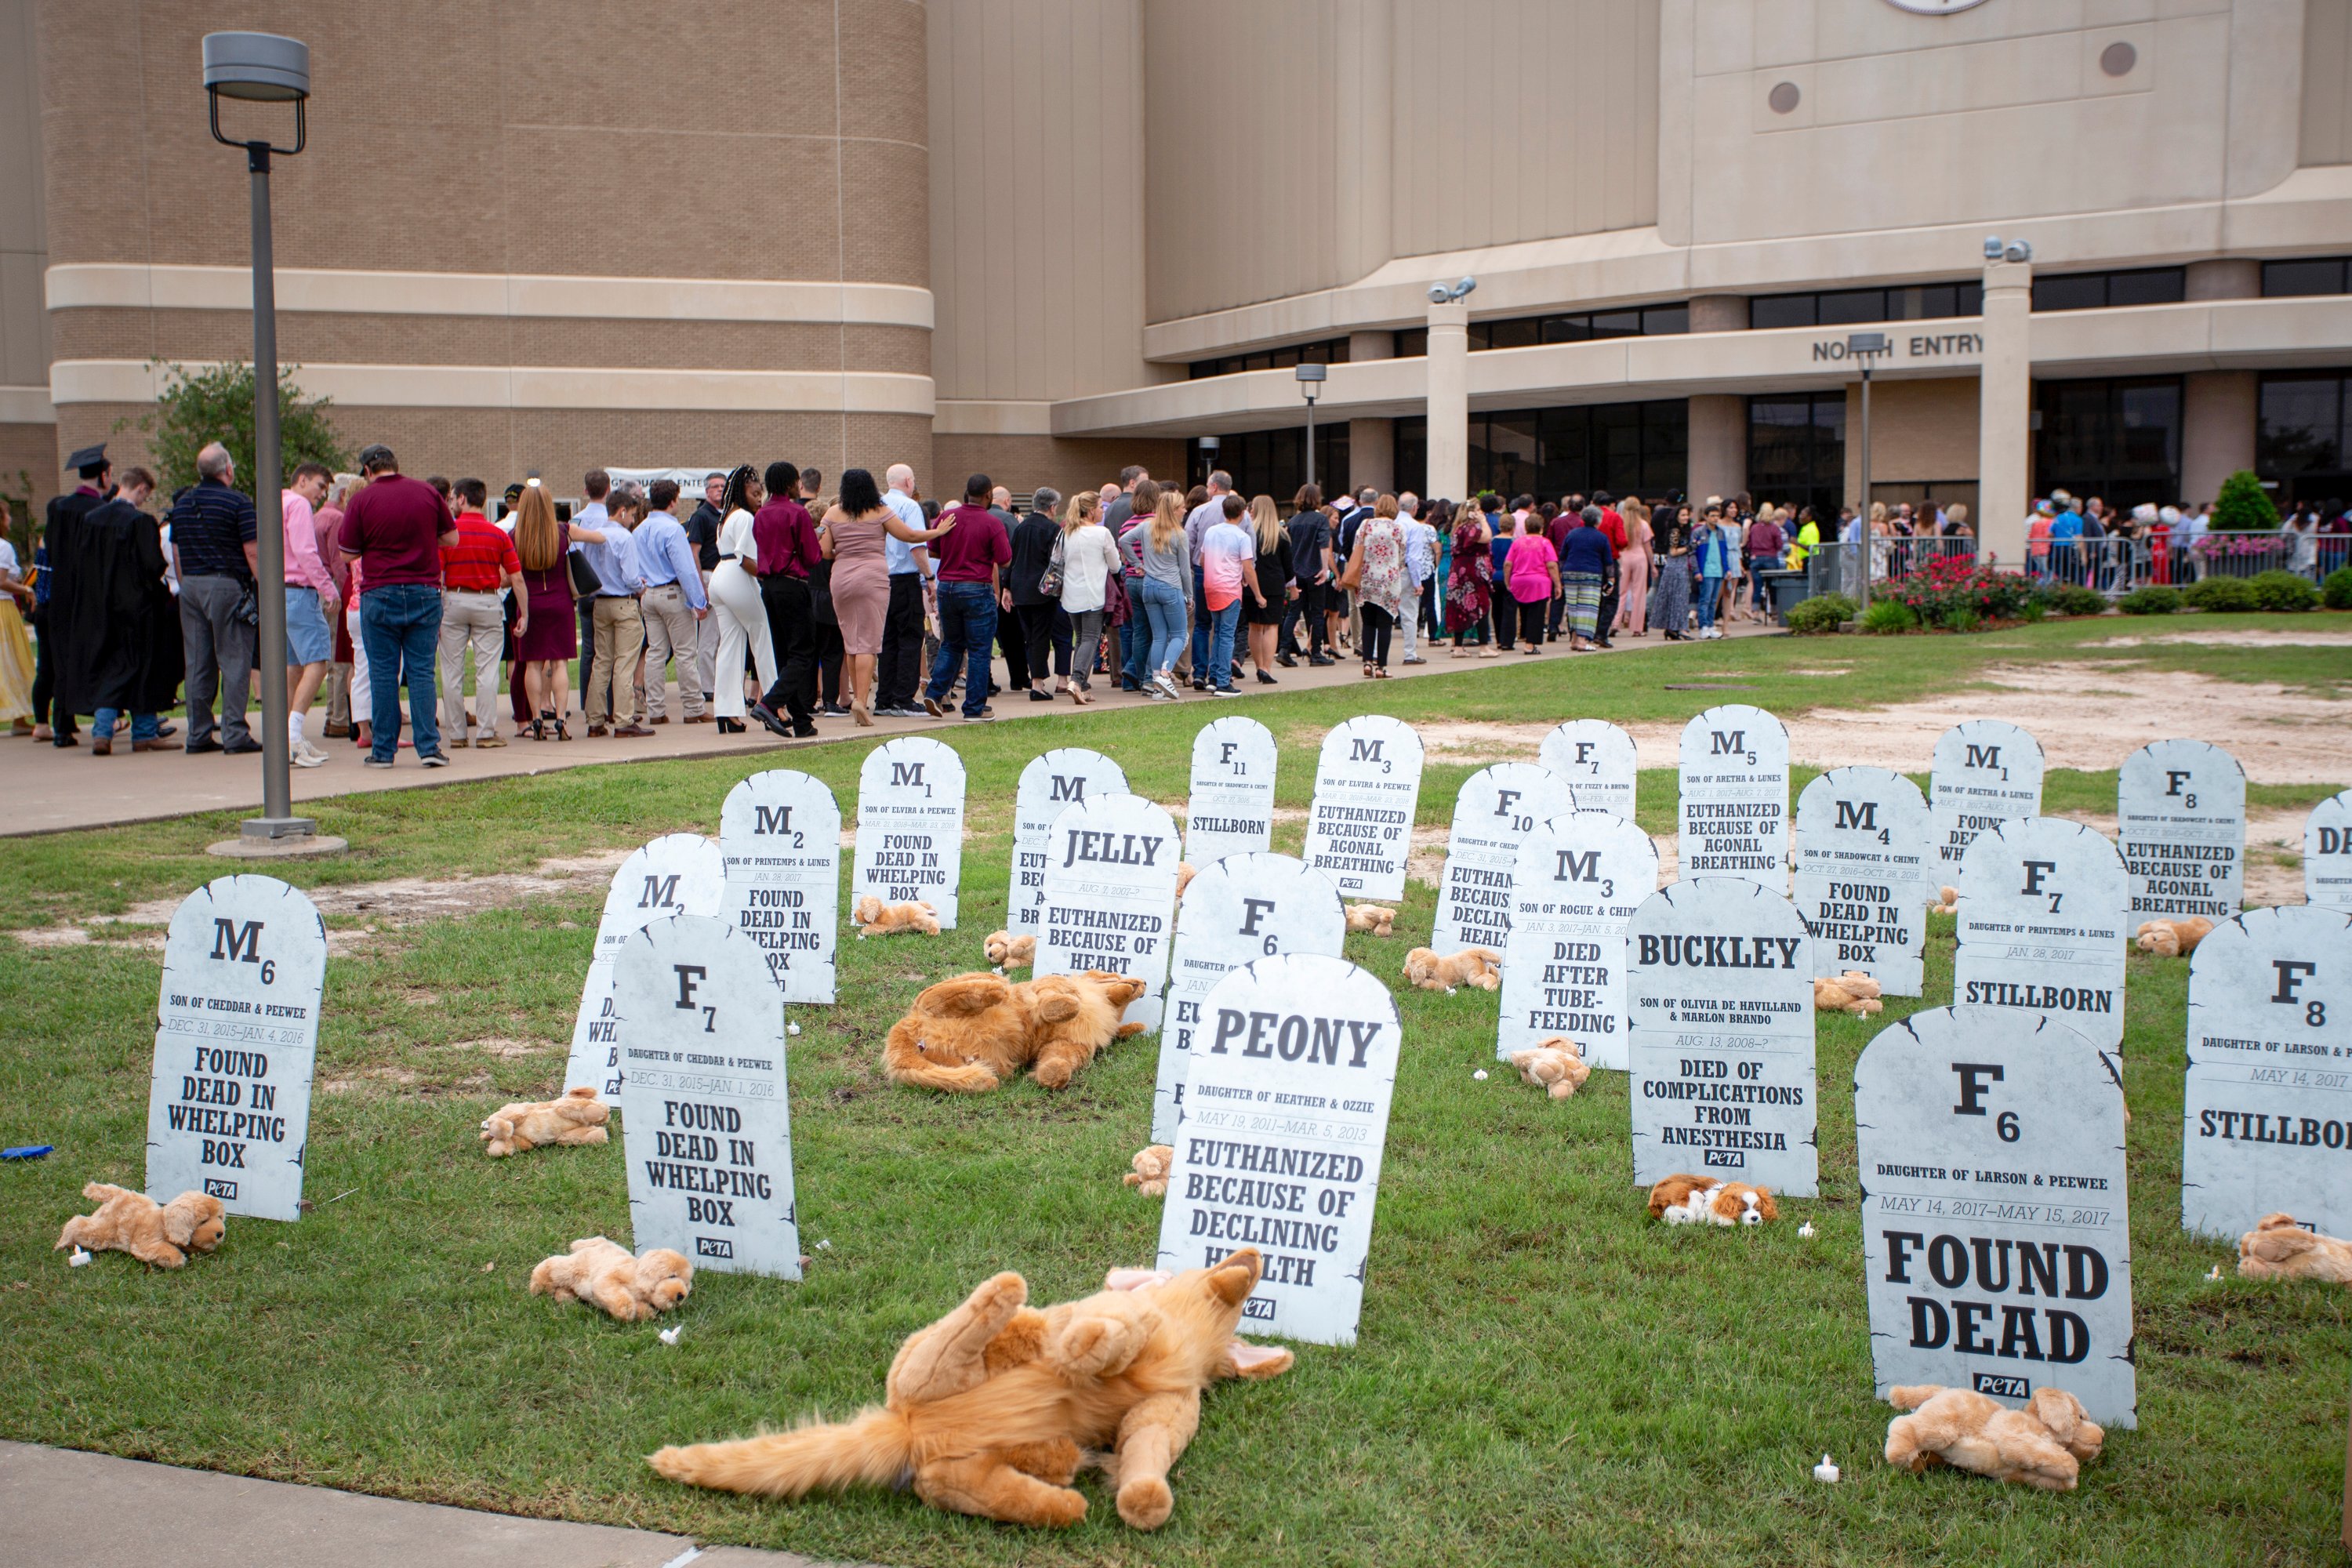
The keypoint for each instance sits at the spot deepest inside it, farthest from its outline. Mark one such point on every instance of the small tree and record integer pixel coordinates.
(2243, 506)
(199, 408)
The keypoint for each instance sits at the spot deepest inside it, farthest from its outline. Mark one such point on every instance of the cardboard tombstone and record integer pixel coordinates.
(909, 845)
(677, 874)
(1720, 997)
(1599, 763)
(2180, 823)
(1996, 1238)
(1494, 811)
(1734, 806)
(1986, 771)
(1230, 810)
(1236, 911)
(1110, 895)
(2041, 925)
(1053, 782)
(780, 838)
(237, 1033)
(1367, 784)
(1287, 1113)
(2327, 853)
(2266, 1111)
(1578, 880)
(705, 1119)
(1861, 852)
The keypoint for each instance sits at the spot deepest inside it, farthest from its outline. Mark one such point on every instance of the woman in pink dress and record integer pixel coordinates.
(1634, 570)
(852, 540)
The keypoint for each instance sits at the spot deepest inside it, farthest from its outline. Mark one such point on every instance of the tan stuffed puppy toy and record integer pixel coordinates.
(876, 918)
(2173, 939)
(1947, 901)
(1152, 1163)
(1009, 952)
(1185, 872)
(2045, 1445)
(603, 1274)
(969, 1033)
(1556, 1067)
(578, 1117)
(1479, 966)
(1854, 993)
(2278, 1249)
(1702, 1200)
(160, 1234)
(1376, 918)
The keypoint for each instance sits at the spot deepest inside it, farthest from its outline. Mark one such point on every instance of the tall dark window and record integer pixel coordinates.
(1796, 451)
(1904, 302)
(1274, 462)
(2104, 290)
(2302, 440)
(2308, 275)
(1581, 327)
(1625, 448)
(2117, 439)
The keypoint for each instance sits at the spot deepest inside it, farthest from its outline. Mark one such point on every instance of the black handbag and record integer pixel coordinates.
(584, 581)
(246, 611)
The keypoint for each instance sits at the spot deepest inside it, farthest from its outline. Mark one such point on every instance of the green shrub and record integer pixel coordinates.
(2243, 506)
(2074, 599)
(1820, 614)
(2283, 591)
(1885, 617)
(2218, 595)
(2034, 612)
(1960, 618)
(2337, 592)
(2153, 600)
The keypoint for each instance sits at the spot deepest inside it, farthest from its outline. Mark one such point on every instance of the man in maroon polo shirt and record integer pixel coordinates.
(973, 557)
(394, 529)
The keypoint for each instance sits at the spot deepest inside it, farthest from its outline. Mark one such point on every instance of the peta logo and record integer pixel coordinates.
(234, 941)
(719, 1245)
(2002, 1386)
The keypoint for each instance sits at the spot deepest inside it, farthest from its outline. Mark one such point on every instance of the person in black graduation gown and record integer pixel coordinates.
(126, 653)
(55, 611)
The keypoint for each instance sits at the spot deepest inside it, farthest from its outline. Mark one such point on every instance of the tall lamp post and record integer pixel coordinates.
(1865, 347)
(1310, 382)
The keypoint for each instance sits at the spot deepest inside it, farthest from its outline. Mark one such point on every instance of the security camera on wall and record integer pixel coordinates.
(1464, 287)
(1992, 248)
(1439, 293)
(2017, 250)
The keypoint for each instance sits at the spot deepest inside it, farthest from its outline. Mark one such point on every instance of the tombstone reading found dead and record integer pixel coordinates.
(1110, 895)
(1599, 763)
(1861, 852)
(1986, 771)
(677, 874)
(1360, 829)
(236, 1033)
(1719, 995)
(1231, 808)
(2041, 925)
(2327, 853)
(1579, 878)
(1286, 1113)
(2180, 824)
(1996, 1246)
(1234, 911)
(909, 845)
(2266, 1111)
(780, 836)
(1052, 781)
(1494, 811)
(705, 1119)
(1734, 797)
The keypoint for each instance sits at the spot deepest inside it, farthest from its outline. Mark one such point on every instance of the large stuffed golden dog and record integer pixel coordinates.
(969, 1033)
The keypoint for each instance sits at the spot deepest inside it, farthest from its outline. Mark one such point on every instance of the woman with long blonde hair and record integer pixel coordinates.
(546, 633)
(1275, 588)
(1089, 556)
(1634, 570)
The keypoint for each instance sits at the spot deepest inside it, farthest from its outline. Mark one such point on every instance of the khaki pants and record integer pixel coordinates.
(671, 632)
(620, 638)
(479, 621)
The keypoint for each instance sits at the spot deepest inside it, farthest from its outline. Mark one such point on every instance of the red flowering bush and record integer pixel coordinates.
(1956, 593)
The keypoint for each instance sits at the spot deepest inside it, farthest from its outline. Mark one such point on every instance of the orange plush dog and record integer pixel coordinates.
(1152, 1163)
(876, 918)
(1376, 918)
(2172, 939)
(1009, 952)
(160, 1234)
(969, 1033)
(2278, 1249)
(987, 1410)
(1947, 900)
(1185, 872)
(1479, 966)
(1556, 1067)
(1854, 993)
(578, 1117)
(605, 1274)
(2045, 1445)
(1702, 1200)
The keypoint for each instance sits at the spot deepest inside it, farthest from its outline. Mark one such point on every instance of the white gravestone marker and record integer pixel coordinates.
(1494, 811)
(1231, 808)
(236, 1033)
(2266, 1113)
(1996, 1250)
(1734, 797)
(780, 835)
(1236, 911)
(1287, 1113)
(2327, 853)
(1720, 996)
(1051, 784)
(1986, 772)
(2181, 822)
(677, 874)
(1579, 879)
(911, 825)
(705, 1119)
(2041, 925)
(1599, 763)
(1360, 829)
(1862, 851)
(1110, 895)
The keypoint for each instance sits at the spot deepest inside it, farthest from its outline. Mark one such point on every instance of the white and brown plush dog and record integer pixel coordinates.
(876, 918)
(2045, 1445)
(605, 1275)
(1009, 952)
(160, 1234)
(1152, 1162)
(1376, 918)
(1556, 1067)
(1702, 1200)
(579, 1117)
(1853, 992)
(1947, 901)
(2278, 1249)
(1479, 966)
(2173, 939)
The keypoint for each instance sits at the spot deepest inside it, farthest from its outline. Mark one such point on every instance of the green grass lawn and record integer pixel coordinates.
(1542, 1376)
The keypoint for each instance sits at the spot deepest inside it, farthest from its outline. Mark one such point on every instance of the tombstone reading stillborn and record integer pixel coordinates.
(2327, 853)
(1241, 909)
(1862, 851)
(1110, 895)
(1734, 797)
(1599, 763)
(228, 1107)
(1360, 829)
(1720, 996)
(1996, 1246)
(677, 874)
(2041, 925)
(2180, 823)
(1986, 772)
(1052, 781)
(2266, 1112)
(780, 835)
(704, 1119)
(1579, 878)
(1287, 1112)
(1498, 807)
(1231, 808)
(911, 825)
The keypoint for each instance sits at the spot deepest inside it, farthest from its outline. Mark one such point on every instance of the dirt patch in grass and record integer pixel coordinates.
(2247, 637)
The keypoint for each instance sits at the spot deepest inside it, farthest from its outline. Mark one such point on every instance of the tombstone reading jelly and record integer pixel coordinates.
(228, 1107)
(677, 874)
(1862, 851)
(780, 835)
(2266, 1114)
(1579, 878)
(1734, 797)
(1110, 895)
(1360, 829)
(2327, 853)
(2041, 925)
(1996, 1246)
(1287, 1112)
(1599, 763)
(1493, 813)
(1719, 993)
(1230, 809)
(1235, 911)
(1986, 772)
(911, 825)
(2181, 822)
(704, 1119)
(1051, 784)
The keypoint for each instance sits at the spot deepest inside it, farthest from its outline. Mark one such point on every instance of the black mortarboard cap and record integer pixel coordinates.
(89, 462)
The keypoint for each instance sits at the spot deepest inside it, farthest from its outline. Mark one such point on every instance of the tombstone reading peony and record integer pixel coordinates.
(2181, 822)
(1051, 782)
(911, 825)
(1286, 1113)
(1996, 1242)
(1986, 772)
(237, 1031)
(677, 874)
(2041, 925)
(2327, 853)
(779, 838)
(1734, 797)
(1493, 813)
(1862, 851)
(1110, 895)
(1599, 763)
(1231, 808)
(1579, 878)
(1360, 829)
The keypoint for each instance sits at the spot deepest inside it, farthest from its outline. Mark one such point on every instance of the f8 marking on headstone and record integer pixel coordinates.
(1110, 895)
(1996, 1239)
(780, 835)
(236, 1033)
(1231, 808)
(677, 874)
(1986, 772)
(2181, 822)
(2327, 853)
(1236, 911)
(1287, 1115)
(1578, 880)
(1599, 763)
(1734, 797)
(911, 825)
(1862, 851)
(1051, 782)
(1720, 996)
(1367, 784)
(2040, 925)
(2266, 1113)
(1494, 811)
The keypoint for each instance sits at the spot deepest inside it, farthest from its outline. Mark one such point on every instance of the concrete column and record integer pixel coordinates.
(2217, 430)
(2224, 278)
(2004, 412)
(1719, 445)
(1371, 443)
(1719, 313)
(1449, 401)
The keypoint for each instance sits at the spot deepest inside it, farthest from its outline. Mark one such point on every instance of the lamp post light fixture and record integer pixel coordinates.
(1865, 347)
(1310, 382)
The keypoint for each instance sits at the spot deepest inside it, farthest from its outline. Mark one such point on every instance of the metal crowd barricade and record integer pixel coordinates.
(1836, 567)
(2115, 566)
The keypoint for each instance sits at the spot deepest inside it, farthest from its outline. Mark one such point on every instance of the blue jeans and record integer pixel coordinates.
(1163, 615)
(1221, 645)
(1709, 589)
(142, 725)
(1134, 638)
(967, 630)
(1201, 670)
(400, 633)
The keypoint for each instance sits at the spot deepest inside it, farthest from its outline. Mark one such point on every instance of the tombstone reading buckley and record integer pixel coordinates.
(1579, 879)
(1231, 808)
(780, 835)
(1734, 797)
(1110, 895)
(1051, 784)
(2041, 925)
(705, 1119)
(1986, 772)
(1241, 909)
(2266, 1112)
(1360, 829)
(911, 825)
(237, 1031)
(1996, 1246)
(1599, 763)
(1493, 813)
(1862, 851)
(1286, 1113)
(1720, 997)
(2327, 853)
(2181, 822)
(677, 874)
